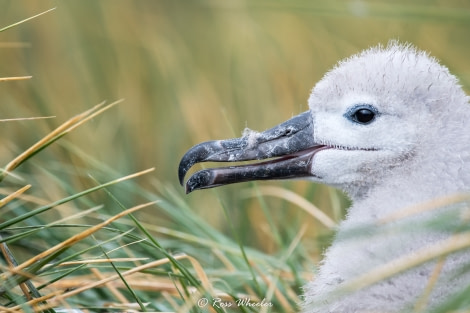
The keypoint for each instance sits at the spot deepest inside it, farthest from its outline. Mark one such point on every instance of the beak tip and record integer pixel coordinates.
(196, 154)
(182, 170)
(199, 180)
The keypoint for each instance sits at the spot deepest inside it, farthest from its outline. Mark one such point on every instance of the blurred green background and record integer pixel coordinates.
(192, 71)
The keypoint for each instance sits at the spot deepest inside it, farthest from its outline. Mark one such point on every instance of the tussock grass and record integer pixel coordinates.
(77, 231)
(5, 79)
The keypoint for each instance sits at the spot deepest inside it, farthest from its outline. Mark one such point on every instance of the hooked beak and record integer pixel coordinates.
(290, 145)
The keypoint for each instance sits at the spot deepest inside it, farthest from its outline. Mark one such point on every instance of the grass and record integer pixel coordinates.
(187, 72)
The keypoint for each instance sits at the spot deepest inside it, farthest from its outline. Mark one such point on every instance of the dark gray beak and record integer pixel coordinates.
(290, 146)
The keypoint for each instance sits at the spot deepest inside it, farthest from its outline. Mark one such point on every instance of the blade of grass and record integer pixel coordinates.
(64, 261)
(152, 239)
(5, 79)
(99, 283)
(39, 260)
(273, 230)
(15, 220)
(272, 289)
(421, 303)
(27, 306)
(80, 236)
(433, 204)
(113, 289)
(14, 195)
(27, 231)
(56, 134)
(187, 275)
(11, 261)
(131, 291)
(298, 200)
(25, 20)
(60, 277)
(26, 118)
(445, 247)
(242, 248)
(97, 261)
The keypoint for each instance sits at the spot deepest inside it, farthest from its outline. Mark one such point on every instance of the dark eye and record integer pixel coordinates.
(362, 114)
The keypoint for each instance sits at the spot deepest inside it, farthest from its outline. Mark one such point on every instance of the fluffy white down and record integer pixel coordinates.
(417, 150)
